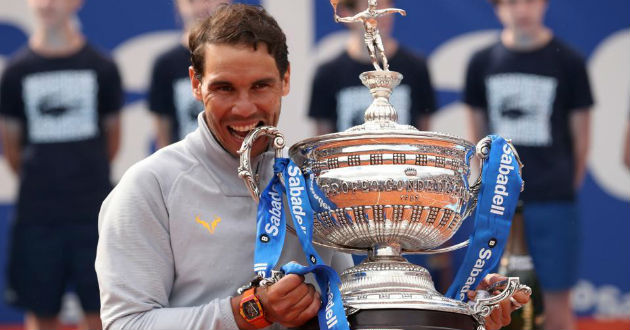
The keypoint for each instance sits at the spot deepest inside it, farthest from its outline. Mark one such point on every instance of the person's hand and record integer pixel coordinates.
(290, 301)
(500, 316)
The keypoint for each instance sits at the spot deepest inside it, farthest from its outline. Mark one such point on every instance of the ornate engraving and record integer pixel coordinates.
(376, 159)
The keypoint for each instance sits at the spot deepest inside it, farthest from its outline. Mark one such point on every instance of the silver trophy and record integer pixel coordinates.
(387, 189)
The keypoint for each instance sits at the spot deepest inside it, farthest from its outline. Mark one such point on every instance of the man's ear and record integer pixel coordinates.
(195, 84)
(286, 81)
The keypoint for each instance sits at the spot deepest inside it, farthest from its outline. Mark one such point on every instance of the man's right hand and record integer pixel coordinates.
(290, 301)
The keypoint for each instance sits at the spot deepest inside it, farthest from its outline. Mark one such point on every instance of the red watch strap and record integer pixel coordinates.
(260, 321)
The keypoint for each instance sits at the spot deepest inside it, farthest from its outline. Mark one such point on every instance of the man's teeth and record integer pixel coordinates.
(246, 128)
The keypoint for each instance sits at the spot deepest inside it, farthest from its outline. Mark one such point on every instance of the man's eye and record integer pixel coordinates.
(261, 85)
(224, 88)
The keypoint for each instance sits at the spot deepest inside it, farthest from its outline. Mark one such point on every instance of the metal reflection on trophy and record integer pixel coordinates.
(387, 189)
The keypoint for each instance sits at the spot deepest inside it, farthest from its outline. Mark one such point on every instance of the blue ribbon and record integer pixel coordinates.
(331, 314)
(271, 228)
(501, 185)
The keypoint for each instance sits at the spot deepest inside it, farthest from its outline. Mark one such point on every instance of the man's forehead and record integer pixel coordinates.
(234, 60)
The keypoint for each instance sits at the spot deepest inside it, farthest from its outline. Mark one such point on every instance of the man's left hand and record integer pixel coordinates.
(500, 316)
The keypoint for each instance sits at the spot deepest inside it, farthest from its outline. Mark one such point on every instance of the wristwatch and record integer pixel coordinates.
(251, 310)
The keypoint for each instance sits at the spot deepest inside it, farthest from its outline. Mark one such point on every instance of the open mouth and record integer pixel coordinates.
(240, 131)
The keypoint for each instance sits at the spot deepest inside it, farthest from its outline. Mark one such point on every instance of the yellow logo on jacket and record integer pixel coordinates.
(210, 226)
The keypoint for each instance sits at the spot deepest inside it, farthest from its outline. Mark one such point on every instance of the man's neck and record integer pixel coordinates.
(57, 42)
(522, 41)
(357, 49)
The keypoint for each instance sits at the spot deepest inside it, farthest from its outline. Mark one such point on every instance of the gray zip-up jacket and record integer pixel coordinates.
(177, 239)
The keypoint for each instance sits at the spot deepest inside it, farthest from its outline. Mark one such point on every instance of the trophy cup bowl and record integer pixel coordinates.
(387, 189)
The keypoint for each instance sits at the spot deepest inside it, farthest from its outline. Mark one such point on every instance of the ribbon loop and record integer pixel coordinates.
(270, 235)
(501, 184)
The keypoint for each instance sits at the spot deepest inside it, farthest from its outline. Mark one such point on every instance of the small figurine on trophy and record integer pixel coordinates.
(372, 36)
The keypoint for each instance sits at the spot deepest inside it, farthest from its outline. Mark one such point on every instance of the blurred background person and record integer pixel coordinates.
(59, 105)
(170, 97)
(626, 148)
(338, 99)
(534, 89)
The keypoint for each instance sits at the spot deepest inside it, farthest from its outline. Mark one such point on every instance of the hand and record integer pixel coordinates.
(290, 301)
(500, 316)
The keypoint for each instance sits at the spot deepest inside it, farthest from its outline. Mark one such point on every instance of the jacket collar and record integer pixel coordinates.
(222, 166)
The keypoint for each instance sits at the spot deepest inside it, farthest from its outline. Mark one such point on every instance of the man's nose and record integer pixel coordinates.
(244, 106)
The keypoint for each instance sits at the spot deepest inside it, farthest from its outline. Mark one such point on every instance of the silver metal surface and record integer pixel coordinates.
(245, 171)
(372, 37)
(386, 189)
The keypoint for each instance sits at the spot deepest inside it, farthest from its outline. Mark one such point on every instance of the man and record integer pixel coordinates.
(338, 99)
(60, 124)
(170, 98)
(177, 233)
(534, 89)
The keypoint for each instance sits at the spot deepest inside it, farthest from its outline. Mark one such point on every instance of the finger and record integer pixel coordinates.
(495, 316)
(286, 285)
(521, 297)
(310, 311)
(472, 294)
(489, 280)
(506, 311)
(303, 303)
(295, 295)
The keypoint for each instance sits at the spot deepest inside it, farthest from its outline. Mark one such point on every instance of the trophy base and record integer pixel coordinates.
(408, 319)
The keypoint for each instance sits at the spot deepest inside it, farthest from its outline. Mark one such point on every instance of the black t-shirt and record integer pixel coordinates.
(528, 97)
(170, 93)
(338, 95)
(61, 103)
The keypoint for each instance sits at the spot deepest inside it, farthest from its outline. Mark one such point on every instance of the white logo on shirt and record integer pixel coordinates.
(520, 107)
(61, 106)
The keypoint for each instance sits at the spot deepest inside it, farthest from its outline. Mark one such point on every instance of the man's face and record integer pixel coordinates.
(524, 16)
(54, 13)
(241, 88)
(193, 11)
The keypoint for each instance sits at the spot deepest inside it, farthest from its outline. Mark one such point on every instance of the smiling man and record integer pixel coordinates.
(158, 265)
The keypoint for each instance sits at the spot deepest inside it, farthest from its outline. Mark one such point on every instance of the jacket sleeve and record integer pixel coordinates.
(135, 265)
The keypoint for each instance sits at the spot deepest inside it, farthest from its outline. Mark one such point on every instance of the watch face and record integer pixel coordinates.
(250, 309)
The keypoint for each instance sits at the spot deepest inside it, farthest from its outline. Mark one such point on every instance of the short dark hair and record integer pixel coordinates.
(238, 24)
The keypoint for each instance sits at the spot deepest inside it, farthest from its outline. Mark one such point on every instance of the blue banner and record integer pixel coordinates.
(271, 229)
(501, 184)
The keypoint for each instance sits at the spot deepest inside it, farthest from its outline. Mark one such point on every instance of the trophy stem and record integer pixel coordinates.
(391, 251)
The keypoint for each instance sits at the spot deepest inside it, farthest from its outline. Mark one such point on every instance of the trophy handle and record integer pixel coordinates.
(482, 150)
(484, 303)
(245, 171)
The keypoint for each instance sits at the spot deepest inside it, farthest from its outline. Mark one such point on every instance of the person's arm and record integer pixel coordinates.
(580, 121)
(477, 123)
(386, 11)
(135, 264)
(323, 102)
(11, 137)
(626, 152)
(112, 134)
(423, 122)
(163, 129)
(423, 103)
(136, 269)
(324, 126)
